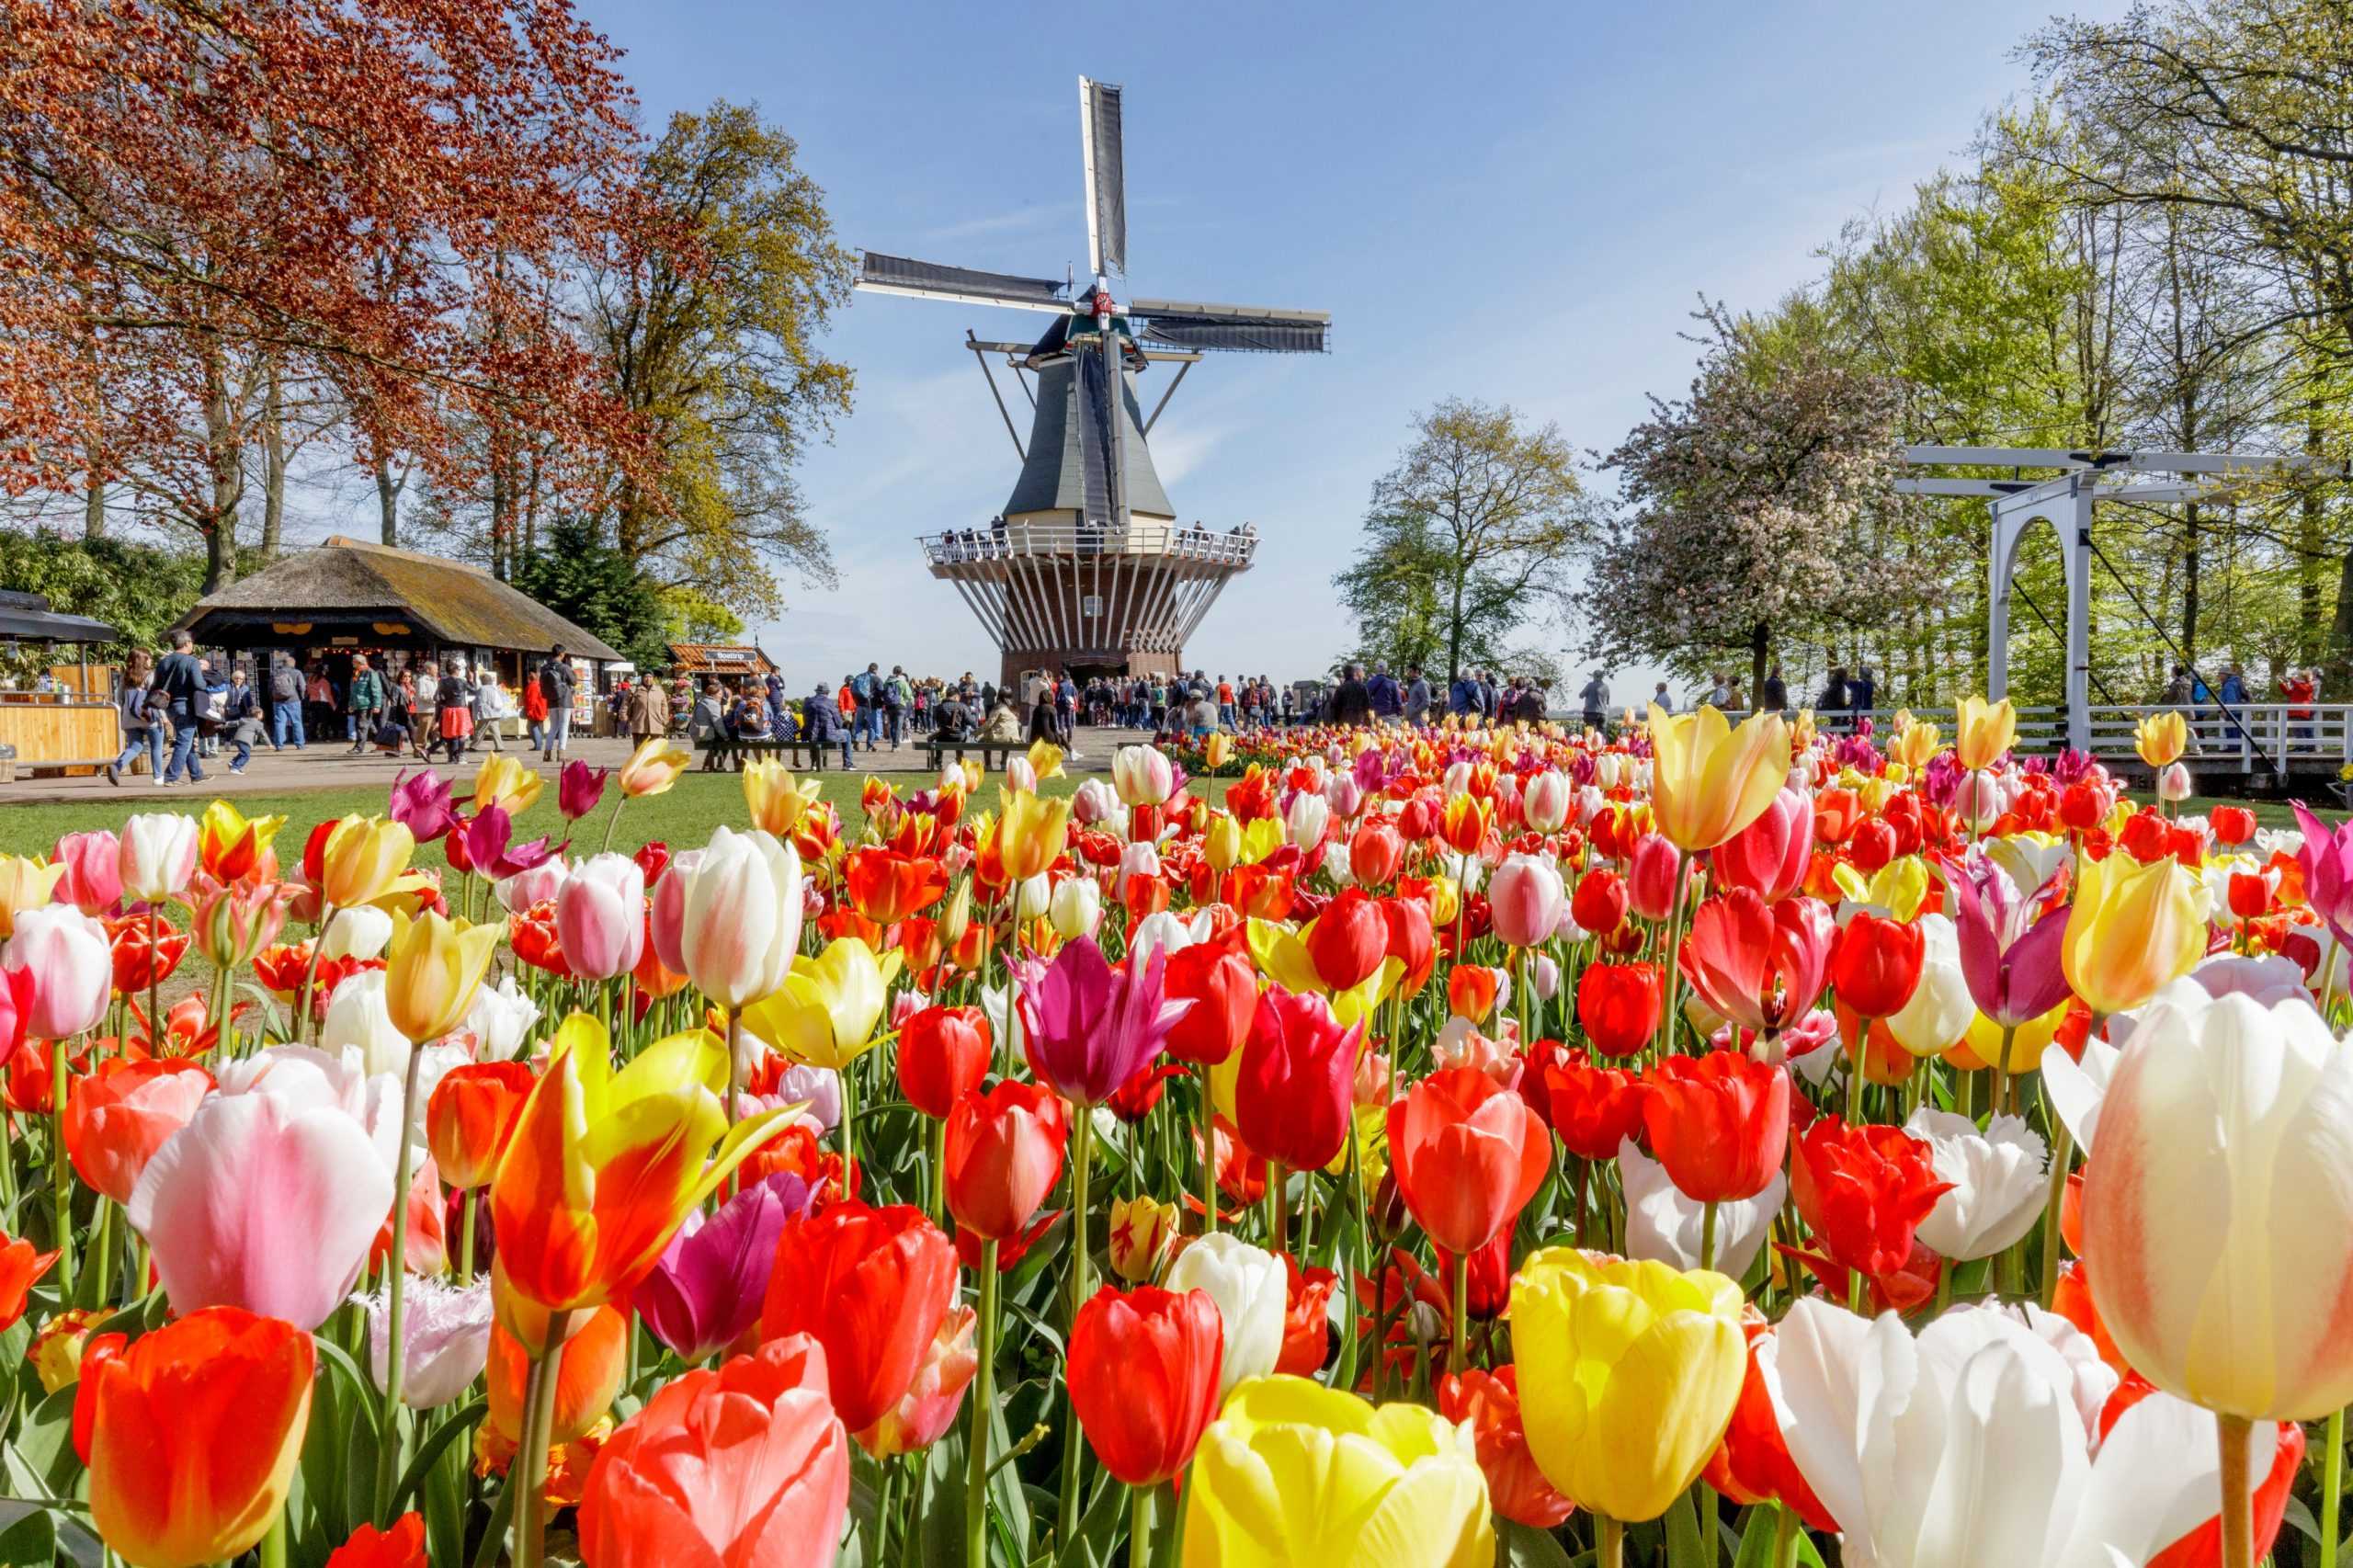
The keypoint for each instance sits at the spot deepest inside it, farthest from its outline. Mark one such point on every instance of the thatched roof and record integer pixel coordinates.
(347, 586)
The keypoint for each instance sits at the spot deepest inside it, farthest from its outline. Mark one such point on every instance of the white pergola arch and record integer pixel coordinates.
(2067, 502)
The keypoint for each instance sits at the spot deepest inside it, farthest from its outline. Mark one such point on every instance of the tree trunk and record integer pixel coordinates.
(1454, 628)
(273, 473)
(388, 502)
(1760, 643)
(2337, 676)
(2189, 565)
(94, 506)
(225, 452)
(2309, 558)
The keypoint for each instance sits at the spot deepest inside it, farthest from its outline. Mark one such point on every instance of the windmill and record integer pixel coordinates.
(1086, 567)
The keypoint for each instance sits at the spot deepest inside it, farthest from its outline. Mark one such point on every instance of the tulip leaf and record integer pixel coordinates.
(1683, 1545)
(1524, 1546)
(27, 1533)
(1101, 1527)
(431, 1450)
(44, 1446)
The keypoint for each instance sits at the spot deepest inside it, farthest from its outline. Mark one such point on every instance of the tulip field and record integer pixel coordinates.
(1712, 1147)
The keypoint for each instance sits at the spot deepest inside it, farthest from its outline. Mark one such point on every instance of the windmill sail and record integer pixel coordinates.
(1253, 329)
(935, 280)
(1107, 178)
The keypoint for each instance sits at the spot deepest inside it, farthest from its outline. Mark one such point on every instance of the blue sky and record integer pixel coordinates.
(1517, 204)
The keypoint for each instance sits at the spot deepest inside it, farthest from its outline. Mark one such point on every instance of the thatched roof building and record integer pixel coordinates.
(346, 596)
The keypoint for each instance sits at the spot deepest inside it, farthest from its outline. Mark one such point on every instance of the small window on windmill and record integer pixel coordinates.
(1092, 605)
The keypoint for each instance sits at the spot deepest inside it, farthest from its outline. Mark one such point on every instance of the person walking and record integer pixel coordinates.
(453, 700)
(322, 709)
(285, 704)
(649, 709)
(1773, 697)
(1595, 696)
(555, 684)
(181, 680)
(141, 708)
(535, 710)
(367, 698)
(490, 708)
(866, 705)
(1351, 701)
(241, 719)
(897, 697)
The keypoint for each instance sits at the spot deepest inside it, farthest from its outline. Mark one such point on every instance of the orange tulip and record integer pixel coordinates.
(888, 886)
(192, 1434)
(1471, 990)
(586, 1379)
(403, 1546)
(230, 845)
(471, 1117)
(119, 1116)
(20, 1270)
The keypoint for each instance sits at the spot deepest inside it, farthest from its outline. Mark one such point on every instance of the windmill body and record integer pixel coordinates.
(1086, 568)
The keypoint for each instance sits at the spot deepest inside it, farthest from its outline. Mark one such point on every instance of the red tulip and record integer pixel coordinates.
(1863, 1190)
(1760, 965)
(871, 1285)
(1291, 1101)
(137, 964)
(1307, 1320)
(1347, 941)
(1769, 856)
(1595, 1109)
(403, 1546)
(1653, 873)
(471, 1115)
(1618, 1006)
(745, 1465)
(943, 1052)
(1752, 1465)
(1467, 1153)
(2232, 825)
(1374, 854)
(117, 1117)
(1144, 1370)
(1471, 989)
(21, 1268)
(1598, 905)
(1412, 942)
(1488, 1403)
(1719, 1124)
(1216, 977)
(1004, 1152)
(1875, 964)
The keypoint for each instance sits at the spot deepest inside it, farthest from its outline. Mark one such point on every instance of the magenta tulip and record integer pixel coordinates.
(483, 846)
(578, 788)
(70, 965)
(2326, 856)
(600, 916)
(93, 880)
(2010, 956)
(1088, 1027)
(421, 805)
(706, 1291)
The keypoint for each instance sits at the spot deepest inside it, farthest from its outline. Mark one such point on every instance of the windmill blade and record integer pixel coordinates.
(1250, 329)
(1107, 176)
(882, 273)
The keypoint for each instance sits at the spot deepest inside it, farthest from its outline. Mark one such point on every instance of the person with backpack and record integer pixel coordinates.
(285, 705)
(141, 707)
(555, 684)
(366, 701)
(897, 696)
(453, 700)
(181, 680)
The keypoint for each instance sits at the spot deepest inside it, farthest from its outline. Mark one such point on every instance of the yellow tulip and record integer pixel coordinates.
(1709, 781)
(1446, 900)
(2161, 738)
(362, 860)
(1222, 841)
(604, 1165)
(229, 844)
(1916, 744)
(1261, 837)
(503, 782)
(1218, 750)
(1982, 730)
(1030, 837)
(777, 799)
(825, 1015)
(1895, 891)
(1143, 1232)
(25, 884)
(1045, 759)
(1875, 793)
(1981, 1046)
(2132, 928)
(653, 766)
(1293, 1474)
(432, 968)
(1628, 1375)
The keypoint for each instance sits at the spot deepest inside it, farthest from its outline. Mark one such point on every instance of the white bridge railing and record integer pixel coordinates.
(1017, 540)
(2308, 735)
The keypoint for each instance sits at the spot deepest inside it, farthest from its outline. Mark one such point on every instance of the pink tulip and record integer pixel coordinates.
(600, 916)
(1526, 900)
(1653, 873)
(666, 911)
(1770, 855)
(1545, 800)
(922, 1418)
(268, 1200)
(92, 882)
(155, 856)
(70, 964)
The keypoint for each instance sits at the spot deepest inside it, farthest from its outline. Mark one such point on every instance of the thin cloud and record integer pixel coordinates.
(1021, 217)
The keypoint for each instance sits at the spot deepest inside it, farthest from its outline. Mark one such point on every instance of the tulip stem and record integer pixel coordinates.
(302, 1021)
(1855, 1071)
(620, 799)
(1460, 1361)
(1785, 1537)
(1208, 1155)
(1139, 1526)
(2332, 1493)
(2062, 1149)
(273, 1545)
(527, 1476)
(466, 1235)
(1708, 1234)
(1278, 1209)
(976, 1459)
(1082, 1157)
(2235, 1435)
(1670, 960)
(388, 1447)
(1610, 1542)
(63, 1171)
(847, 1076)
(156, 982)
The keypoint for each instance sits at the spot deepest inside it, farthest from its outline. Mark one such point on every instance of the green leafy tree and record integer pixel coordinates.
(597, 587)
(137, 588)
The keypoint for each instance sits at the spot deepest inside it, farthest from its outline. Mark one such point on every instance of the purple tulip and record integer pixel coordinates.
(706, 1291)
(578, 788)
(1089, 1028)
(422, 805)
(2009, 959)
(2327, 859)
(483, 846)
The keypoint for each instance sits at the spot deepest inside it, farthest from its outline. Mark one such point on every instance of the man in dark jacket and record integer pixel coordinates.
(1773, 695)
(1351, 703)
(821, 725)
(1387, 700)
(555, 684)
(181, 680)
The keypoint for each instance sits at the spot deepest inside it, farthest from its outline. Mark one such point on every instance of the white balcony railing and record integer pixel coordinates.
(1010, 542)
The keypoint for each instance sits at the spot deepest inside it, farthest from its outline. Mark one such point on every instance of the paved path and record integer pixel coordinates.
(332, 767)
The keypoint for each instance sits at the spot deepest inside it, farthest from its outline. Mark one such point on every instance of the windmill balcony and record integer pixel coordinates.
(1073, 542)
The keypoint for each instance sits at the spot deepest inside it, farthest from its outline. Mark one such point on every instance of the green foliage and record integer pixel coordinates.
(139, 589)
(598, 587)
(689, 616)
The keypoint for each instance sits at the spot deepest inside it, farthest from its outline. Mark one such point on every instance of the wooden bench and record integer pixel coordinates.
(993, 753)
(807, 754)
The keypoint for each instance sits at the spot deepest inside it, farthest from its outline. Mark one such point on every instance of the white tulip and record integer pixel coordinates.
(358, 1020)
(1663, 1226)
(1075, 907)
(1997, 1175)
(1251, 1290)
(501, 1019)
(1940, 1010)
(359, 932)
(447, 1331)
